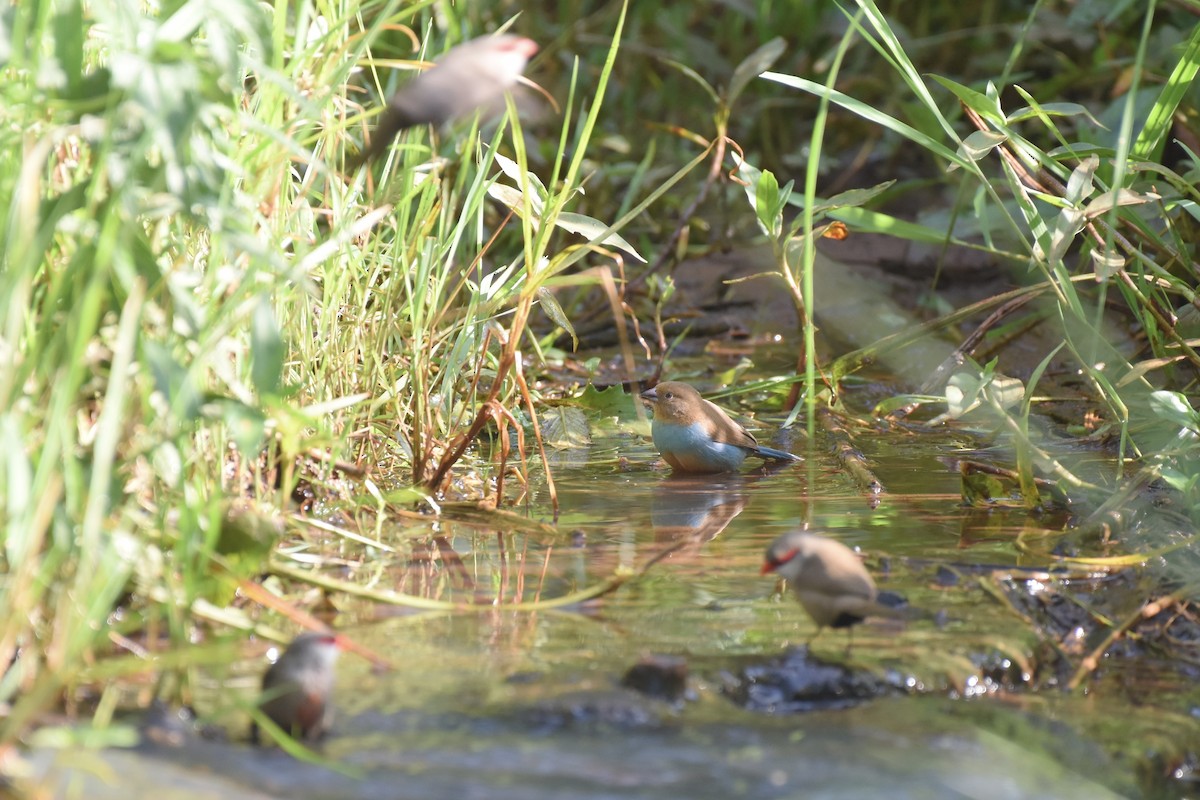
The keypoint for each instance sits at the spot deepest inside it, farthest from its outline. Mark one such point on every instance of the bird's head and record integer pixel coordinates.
(675, 402)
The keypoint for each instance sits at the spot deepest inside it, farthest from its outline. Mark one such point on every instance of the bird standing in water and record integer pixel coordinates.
(470, 77)
(297, 687)
(693, 435)
(828, 579)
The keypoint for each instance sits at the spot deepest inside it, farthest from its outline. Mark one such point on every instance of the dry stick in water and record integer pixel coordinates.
(303, 618)
(1092, 660)
(849, 455)
(508, 357)
(519, 374)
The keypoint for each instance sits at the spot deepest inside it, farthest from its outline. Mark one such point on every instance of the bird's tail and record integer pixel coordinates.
(890, 604)
(775, 455)
(391, 123)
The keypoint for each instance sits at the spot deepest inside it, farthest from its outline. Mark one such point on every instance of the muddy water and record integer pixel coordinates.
(493, 703)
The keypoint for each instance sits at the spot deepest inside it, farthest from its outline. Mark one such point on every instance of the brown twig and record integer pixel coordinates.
(850, 457)
(519, 374)
(1092, 660)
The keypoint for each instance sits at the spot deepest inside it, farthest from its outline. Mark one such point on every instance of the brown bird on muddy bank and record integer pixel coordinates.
(694, 435)
(296, 689)
(470, 77)
(828, 579)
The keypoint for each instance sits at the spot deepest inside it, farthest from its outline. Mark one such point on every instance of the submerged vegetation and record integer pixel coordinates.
(208, 325)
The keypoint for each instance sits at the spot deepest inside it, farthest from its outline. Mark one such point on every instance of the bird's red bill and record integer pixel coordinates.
(526, 47)
(772, 564)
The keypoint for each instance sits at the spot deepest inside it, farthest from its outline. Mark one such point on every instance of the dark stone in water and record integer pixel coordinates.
(524, 677)
(174, 726)
(616, 708)
(800, 682)
(945, 576)
(660, 677)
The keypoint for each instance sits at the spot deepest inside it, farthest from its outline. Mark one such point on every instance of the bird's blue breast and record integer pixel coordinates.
(690, 448)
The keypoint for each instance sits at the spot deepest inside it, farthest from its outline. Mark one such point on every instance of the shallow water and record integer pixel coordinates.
(496, 703)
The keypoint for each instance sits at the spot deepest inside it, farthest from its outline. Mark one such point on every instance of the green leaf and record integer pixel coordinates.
(594, 231)
(554, 311)
(176, 383)
(850, 198)
(1174, 408)
(611, 402)
(69, 47)
(1037, 110)
(767, 204)
(244, 543)
(248, 531)
(688, 72)
(862, 219)
(1153, 136)
(267, 349)
(246, 425)
(752, 66)
(868, 112)
(979, 144)
(986, 107)
(565, 427)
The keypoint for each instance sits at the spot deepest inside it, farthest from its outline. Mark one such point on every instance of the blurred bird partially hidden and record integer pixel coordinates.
(297, 687)
(470, 78)
(830, 581)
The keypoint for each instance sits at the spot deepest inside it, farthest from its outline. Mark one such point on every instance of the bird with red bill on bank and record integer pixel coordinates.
(828, 579)
(472, 77)
(694, 435)
(296, 689)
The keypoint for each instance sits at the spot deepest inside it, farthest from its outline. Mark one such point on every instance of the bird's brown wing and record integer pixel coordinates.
(724, 429)
(842, 590)
(310, 716)
(832, 577)
(394, 120)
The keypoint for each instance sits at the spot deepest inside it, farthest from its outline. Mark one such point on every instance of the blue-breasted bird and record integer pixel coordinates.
(693, 435)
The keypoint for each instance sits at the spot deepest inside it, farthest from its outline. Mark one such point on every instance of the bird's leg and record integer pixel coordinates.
(813, 638)
(849, 639)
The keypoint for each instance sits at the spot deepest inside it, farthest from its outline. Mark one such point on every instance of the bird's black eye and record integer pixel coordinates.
(668, 395)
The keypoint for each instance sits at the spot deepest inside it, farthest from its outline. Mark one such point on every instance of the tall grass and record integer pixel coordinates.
(197, 304)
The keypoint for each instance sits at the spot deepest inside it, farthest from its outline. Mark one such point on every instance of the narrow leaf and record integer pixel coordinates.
(554, 311)
(752, 66)
(593, 230)
(267, 349)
